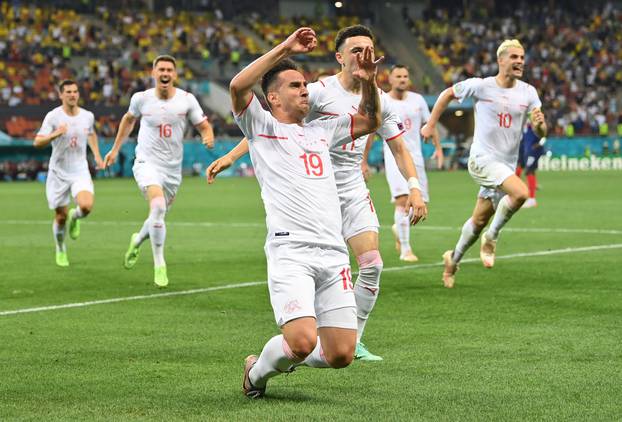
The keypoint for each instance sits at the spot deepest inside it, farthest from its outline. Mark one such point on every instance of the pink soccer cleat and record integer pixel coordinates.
(487, 251)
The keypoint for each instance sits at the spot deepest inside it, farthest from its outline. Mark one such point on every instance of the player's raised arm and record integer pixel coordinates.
(440, 106)
(369, 115)
(226, 160)
(302, 41)
(538, 122)
(125, 128)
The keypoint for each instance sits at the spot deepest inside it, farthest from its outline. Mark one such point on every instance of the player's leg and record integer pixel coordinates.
(471, 229)
(84, 204)
(157, 232)
(532, 182)
(367, 287)
(59, 231)
(401, 229)
(516, 194)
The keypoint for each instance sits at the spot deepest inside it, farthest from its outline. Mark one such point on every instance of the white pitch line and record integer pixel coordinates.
(257, 283)
(261, 225)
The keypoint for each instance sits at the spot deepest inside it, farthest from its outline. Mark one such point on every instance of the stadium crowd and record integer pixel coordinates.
(573, 55)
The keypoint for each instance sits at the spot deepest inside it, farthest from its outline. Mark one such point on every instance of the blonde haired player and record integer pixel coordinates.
(502, 104)
(69, 128)
(164, 112)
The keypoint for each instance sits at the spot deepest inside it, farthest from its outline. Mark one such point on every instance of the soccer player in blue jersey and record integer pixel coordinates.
(530, 150)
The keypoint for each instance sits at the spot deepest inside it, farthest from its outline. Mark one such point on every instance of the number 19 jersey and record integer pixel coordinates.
(162, 126)
(293, 167)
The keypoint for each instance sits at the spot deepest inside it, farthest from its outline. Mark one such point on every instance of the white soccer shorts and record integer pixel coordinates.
(310, 281)
(358, 214)
(489, 174)
(398, 185)
(59, 190)
(148, 174)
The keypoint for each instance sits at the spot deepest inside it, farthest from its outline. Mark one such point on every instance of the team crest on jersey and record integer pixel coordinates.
(292, 306)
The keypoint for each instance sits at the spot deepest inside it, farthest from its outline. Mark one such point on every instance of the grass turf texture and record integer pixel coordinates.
(534, 338)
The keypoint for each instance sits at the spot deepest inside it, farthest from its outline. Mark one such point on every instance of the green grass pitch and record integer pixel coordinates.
(539, 337)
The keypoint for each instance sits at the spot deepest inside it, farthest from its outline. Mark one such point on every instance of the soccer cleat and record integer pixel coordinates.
(530, 203)
(73, 224)
(131, 256)
(361, 353)
(159, 276)
(61, 259)
(409, 257)
(450, 269)
(248, 388)
(398, 245)
(487, 251)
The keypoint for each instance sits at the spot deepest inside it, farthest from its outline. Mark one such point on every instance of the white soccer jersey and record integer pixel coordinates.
(413, 112)
(293, 167)
(68, 150)
(162, 125)
(500, 115)
(329, 98)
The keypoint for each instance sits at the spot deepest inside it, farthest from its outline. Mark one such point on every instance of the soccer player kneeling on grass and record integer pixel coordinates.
(157, 169)
(309, 276)
(502, 104)
(68, 128)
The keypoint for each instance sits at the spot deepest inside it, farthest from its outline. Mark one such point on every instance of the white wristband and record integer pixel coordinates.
(413, 183)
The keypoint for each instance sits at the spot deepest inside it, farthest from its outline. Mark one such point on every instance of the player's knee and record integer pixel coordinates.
(520, 196)
(158, 208)
(340, 356)
(86, 208)
(302, 345)
(370, 268)
(479, 222)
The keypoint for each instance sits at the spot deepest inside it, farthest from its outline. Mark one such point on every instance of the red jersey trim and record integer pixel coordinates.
(247, 104)
(323, 84)
(352, 126)
(273, 137)
(396, 136)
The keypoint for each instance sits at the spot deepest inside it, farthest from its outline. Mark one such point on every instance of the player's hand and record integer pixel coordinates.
(365, 170)
(537, 117)
(427, 131)
(110, 158)
(99, 164)
(418, 210)
(302, 41)
(208, 141)
(60, 130)
(440, 157)
(367, 65)
(216, 167)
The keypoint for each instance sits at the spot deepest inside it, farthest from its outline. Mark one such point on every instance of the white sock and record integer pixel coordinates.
(275, 358)
(402, 225)
(143, 234)
(467, 238)
(59, 236)
(366, 288)
(78, 214)
(316, 359)
(157, 230)
(502, 216)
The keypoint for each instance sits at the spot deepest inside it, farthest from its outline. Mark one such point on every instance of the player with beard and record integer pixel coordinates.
(413, 111)
(502, 106)
(164, 112)
(68, 128)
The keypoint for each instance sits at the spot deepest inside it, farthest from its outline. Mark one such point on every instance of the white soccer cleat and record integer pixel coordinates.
(409, 257)
(487, 251)
(450, 269)
(530, 203)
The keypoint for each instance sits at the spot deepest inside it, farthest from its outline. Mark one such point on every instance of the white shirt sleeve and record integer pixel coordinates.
(391, 126)
(534, 100)
(254, 120)
(135, 104)
(467, 88)
(314, 94)
(47, 126)
(425, 111)
(91, 123)
(339, 129)
(195, 112)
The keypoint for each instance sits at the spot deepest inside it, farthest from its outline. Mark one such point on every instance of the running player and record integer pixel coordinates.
(309, 276)
(164, 111)
(335, 96)
(413, 111)
(529, 153)
(68, 128)
(502, 105)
